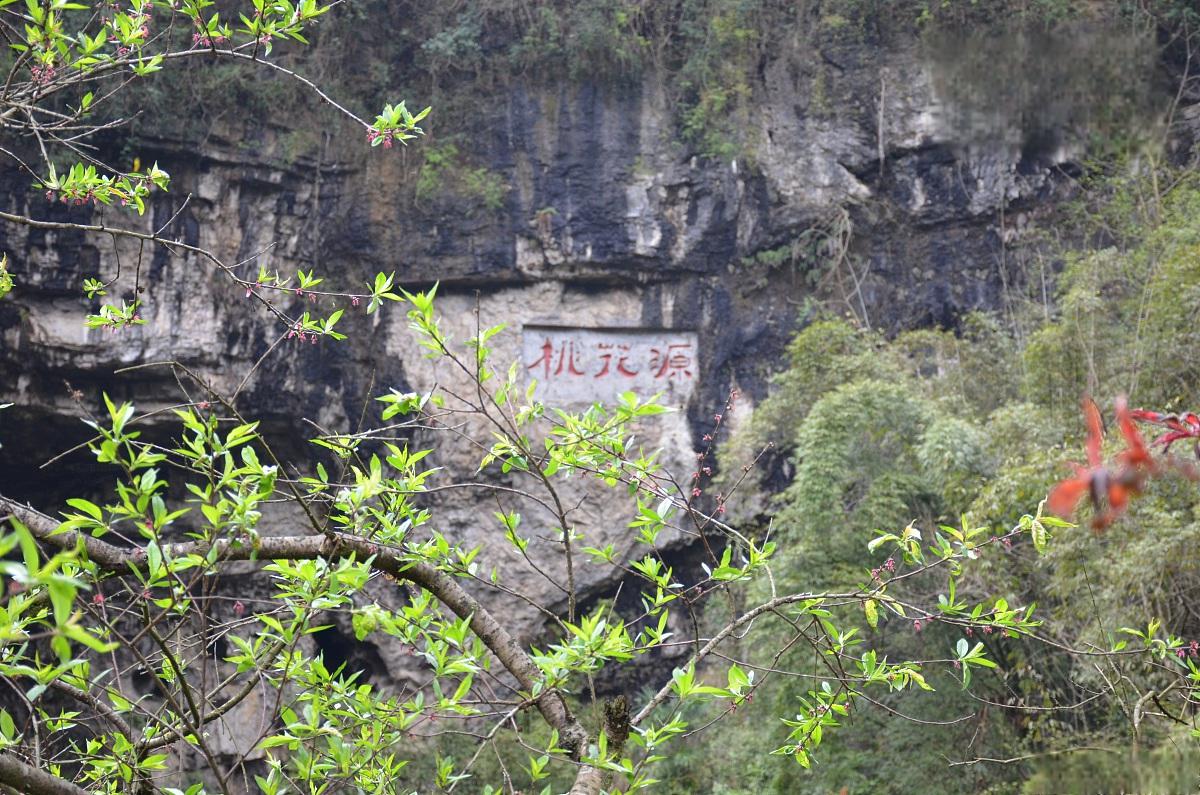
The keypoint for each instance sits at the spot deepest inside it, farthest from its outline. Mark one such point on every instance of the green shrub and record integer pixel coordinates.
(445, 171)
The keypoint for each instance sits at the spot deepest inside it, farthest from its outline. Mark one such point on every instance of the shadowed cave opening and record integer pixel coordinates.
(344, 656)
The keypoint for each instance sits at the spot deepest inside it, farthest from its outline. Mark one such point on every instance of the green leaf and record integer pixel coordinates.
(62, 596)
(1037, 531)
(80, 635)
(872, 611)
(87, 507)
(6, 282)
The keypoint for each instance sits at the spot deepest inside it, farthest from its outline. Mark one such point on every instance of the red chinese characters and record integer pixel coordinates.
(674, 361)
(574, 366)
(567, 358)
(604, 349)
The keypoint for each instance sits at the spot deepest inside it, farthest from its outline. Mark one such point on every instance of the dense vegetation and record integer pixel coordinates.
(981, 419)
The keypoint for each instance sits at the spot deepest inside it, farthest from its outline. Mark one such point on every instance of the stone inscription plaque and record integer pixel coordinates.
(585, 365)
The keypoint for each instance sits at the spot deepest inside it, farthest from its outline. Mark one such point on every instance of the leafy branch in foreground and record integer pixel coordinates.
(154, 605)
(73, 60)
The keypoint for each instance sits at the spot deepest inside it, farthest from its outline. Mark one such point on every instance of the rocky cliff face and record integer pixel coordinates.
(859, 186)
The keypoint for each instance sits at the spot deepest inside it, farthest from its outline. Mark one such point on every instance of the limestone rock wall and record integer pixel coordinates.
(608, 221)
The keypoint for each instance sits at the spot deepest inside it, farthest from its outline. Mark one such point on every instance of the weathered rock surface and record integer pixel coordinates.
(608, 222)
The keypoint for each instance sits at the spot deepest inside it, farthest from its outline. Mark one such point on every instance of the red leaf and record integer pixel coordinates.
(1066, 495)
(1136, 454)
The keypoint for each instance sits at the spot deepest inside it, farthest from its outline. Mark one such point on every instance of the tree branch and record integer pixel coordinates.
(496, 637)
(102, 709)
(31, 781)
